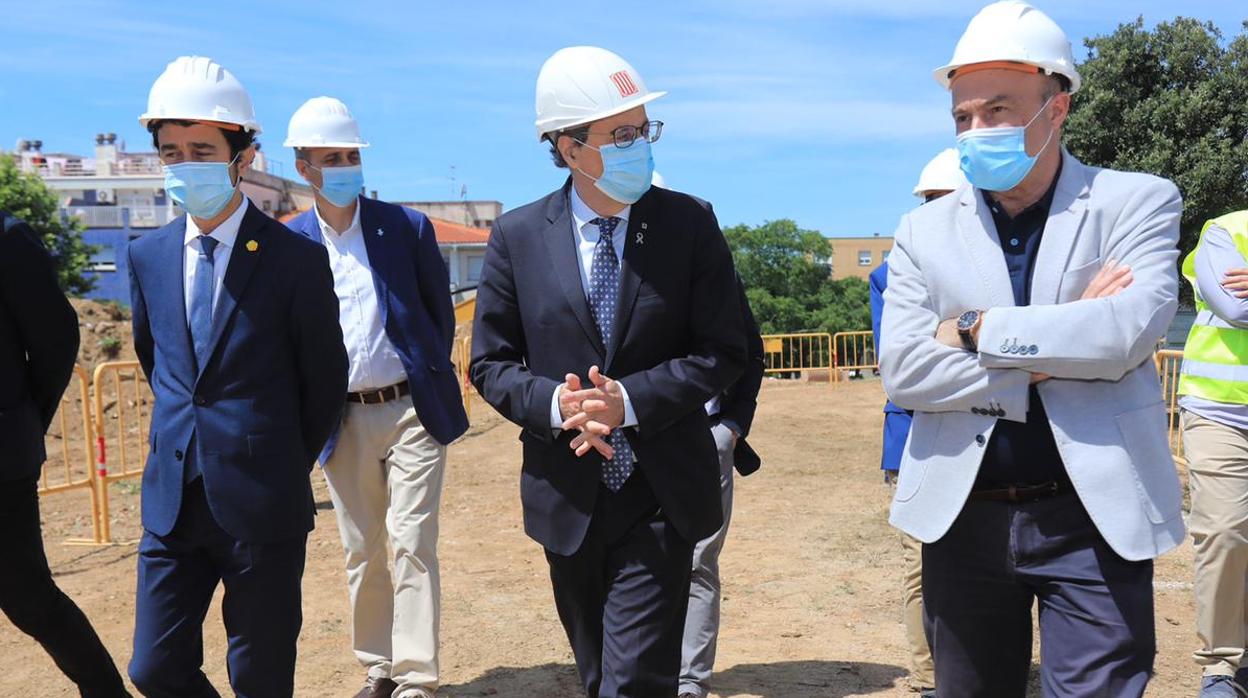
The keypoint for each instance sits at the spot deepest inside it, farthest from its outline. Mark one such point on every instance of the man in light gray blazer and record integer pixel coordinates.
(1022, 312)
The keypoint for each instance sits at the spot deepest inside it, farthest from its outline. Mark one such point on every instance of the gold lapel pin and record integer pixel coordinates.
(252, 245)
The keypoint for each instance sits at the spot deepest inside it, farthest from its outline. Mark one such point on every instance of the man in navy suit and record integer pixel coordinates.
(607, 316)
(385, 463)
(236, 327)
(38, 345)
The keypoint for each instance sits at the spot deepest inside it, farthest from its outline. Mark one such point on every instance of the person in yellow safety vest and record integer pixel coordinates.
(1214, 389)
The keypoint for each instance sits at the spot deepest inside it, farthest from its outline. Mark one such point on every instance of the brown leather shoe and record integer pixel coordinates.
(377, 687)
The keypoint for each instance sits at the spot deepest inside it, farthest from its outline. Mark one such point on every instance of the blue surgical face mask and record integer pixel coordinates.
(202, 189)
(996, 159)
(341, 185)
(626, 172)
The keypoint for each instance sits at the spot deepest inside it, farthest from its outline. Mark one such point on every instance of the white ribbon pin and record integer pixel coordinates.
(380, 232)
(641, 237)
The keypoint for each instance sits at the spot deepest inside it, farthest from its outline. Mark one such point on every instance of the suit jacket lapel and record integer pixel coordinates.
(237, 274)
(171, 275)
(978, 233)
(632, 269)
(1060, 232)
(377, 245)
(562, 250)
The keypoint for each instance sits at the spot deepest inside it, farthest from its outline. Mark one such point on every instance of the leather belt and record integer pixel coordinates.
(376, 397)
(1024, 493)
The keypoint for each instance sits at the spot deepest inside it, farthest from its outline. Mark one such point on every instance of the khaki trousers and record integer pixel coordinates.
(385, 479)
(1217, 457)
(922, 669)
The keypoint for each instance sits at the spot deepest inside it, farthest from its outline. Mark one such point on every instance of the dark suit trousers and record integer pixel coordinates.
(37, 607)
(623, 595)
(1096, 609)
(262, 607)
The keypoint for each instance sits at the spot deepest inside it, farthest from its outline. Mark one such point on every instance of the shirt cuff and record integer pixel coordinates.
(630, 417)
(556, 417)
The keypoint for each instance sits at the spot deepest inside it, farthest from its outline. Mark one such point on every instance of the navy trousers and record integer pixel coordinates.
(32, 601)
(1095, 608)
(262, 607)
(622, 597)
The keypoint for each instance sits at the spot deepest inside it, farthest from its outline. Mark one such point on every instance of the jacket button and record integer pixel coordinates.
(979, 439)
(177, 455)
(976, 410)
(1033, 350)
(1000, 413)
(200, 400)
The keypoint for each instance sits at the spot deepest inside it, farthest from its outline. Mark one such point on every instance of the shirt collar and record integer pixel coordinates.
(225, 234)
(1041, 208)
(583, 215)
(327, 229)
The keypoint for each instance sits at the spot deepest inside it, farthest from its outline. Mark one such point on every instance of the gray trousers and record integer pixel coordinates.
(702, 618)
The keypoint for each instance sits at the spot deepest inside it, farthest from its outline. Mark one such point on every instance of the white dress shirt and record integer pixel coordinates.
(226, 236)
(374, 363)
(585, 236)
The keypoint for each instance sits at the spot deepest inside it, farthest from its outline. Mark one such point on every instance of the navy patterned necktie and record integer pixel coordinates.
(604, 293)
(202, 292)
(201, 298)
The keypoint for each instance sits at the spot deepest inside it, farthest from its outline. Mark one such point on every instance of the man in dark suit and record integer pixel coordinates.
(236, 327)
(629, 290)
(385, 462)
(38, 346)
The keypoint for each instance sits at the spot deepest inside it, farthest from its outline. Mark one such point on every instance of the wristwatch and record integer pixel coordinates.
(968, 323)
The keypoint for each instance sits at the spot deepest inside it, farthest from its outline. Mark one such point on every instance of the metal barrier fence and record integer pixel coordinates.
(122, 420)
(854, 351)
(787, 354)
(1169, 364)
(462, 355)
(69, 465)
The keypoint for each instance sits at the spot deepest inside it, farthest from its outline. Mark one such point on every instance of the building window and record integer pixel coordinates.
(474, 268)
(885, 257)
(864, 258)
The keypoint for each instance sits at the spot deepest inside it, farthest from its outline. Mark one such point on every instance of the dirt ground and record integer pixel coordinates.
(811, 574)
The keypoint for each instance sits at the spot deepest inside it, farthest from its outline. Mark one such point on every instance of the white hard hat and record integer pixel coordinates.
(581, 84)
(942, 173)
(1013, 32)
(657, 180)
(195, 88)
(323, 122)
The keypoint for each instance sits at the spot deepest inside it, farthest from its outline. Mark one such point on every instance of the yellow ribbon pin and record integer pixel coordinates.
(252, 245)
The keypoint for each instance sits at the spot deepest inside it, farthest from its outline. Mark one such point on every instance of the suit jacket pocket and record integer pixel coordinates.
(275, 443)
(924, 435)
(1075, 281)
(1145, 439)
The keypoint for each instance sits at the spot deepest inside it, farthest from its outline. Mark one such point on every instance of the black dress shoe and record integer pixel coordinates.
(377, 687)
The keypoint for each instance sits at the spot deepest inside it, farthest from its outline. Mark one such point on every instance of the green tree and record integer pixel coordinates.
(785, 272)
(28, 198)
(1173, 102)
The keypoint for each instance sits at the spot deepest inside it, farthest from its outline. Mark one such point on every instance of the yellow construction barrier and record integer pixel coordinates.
(786, 354)
(463, 356)
(122, 419)
(1169, 365)
(854, 351)
(69, 464)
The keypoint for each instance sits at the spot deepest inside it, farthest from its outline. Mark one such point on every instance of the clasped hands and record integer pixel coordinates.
(594, 411)
(1111, 280)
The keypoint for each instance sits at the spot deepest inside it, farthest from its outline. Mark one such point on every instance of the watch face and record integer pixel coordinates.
(967, 320)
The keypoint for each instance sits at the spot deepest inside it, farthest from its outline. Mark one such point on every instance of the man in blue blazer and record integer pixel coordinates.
(939, 177)
(235, 325)
(629, 290)
(385, 462)
(38, 345)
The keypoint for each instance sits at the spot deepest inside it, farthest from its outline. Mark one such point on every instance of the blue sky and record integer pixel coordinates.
(822, 111)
